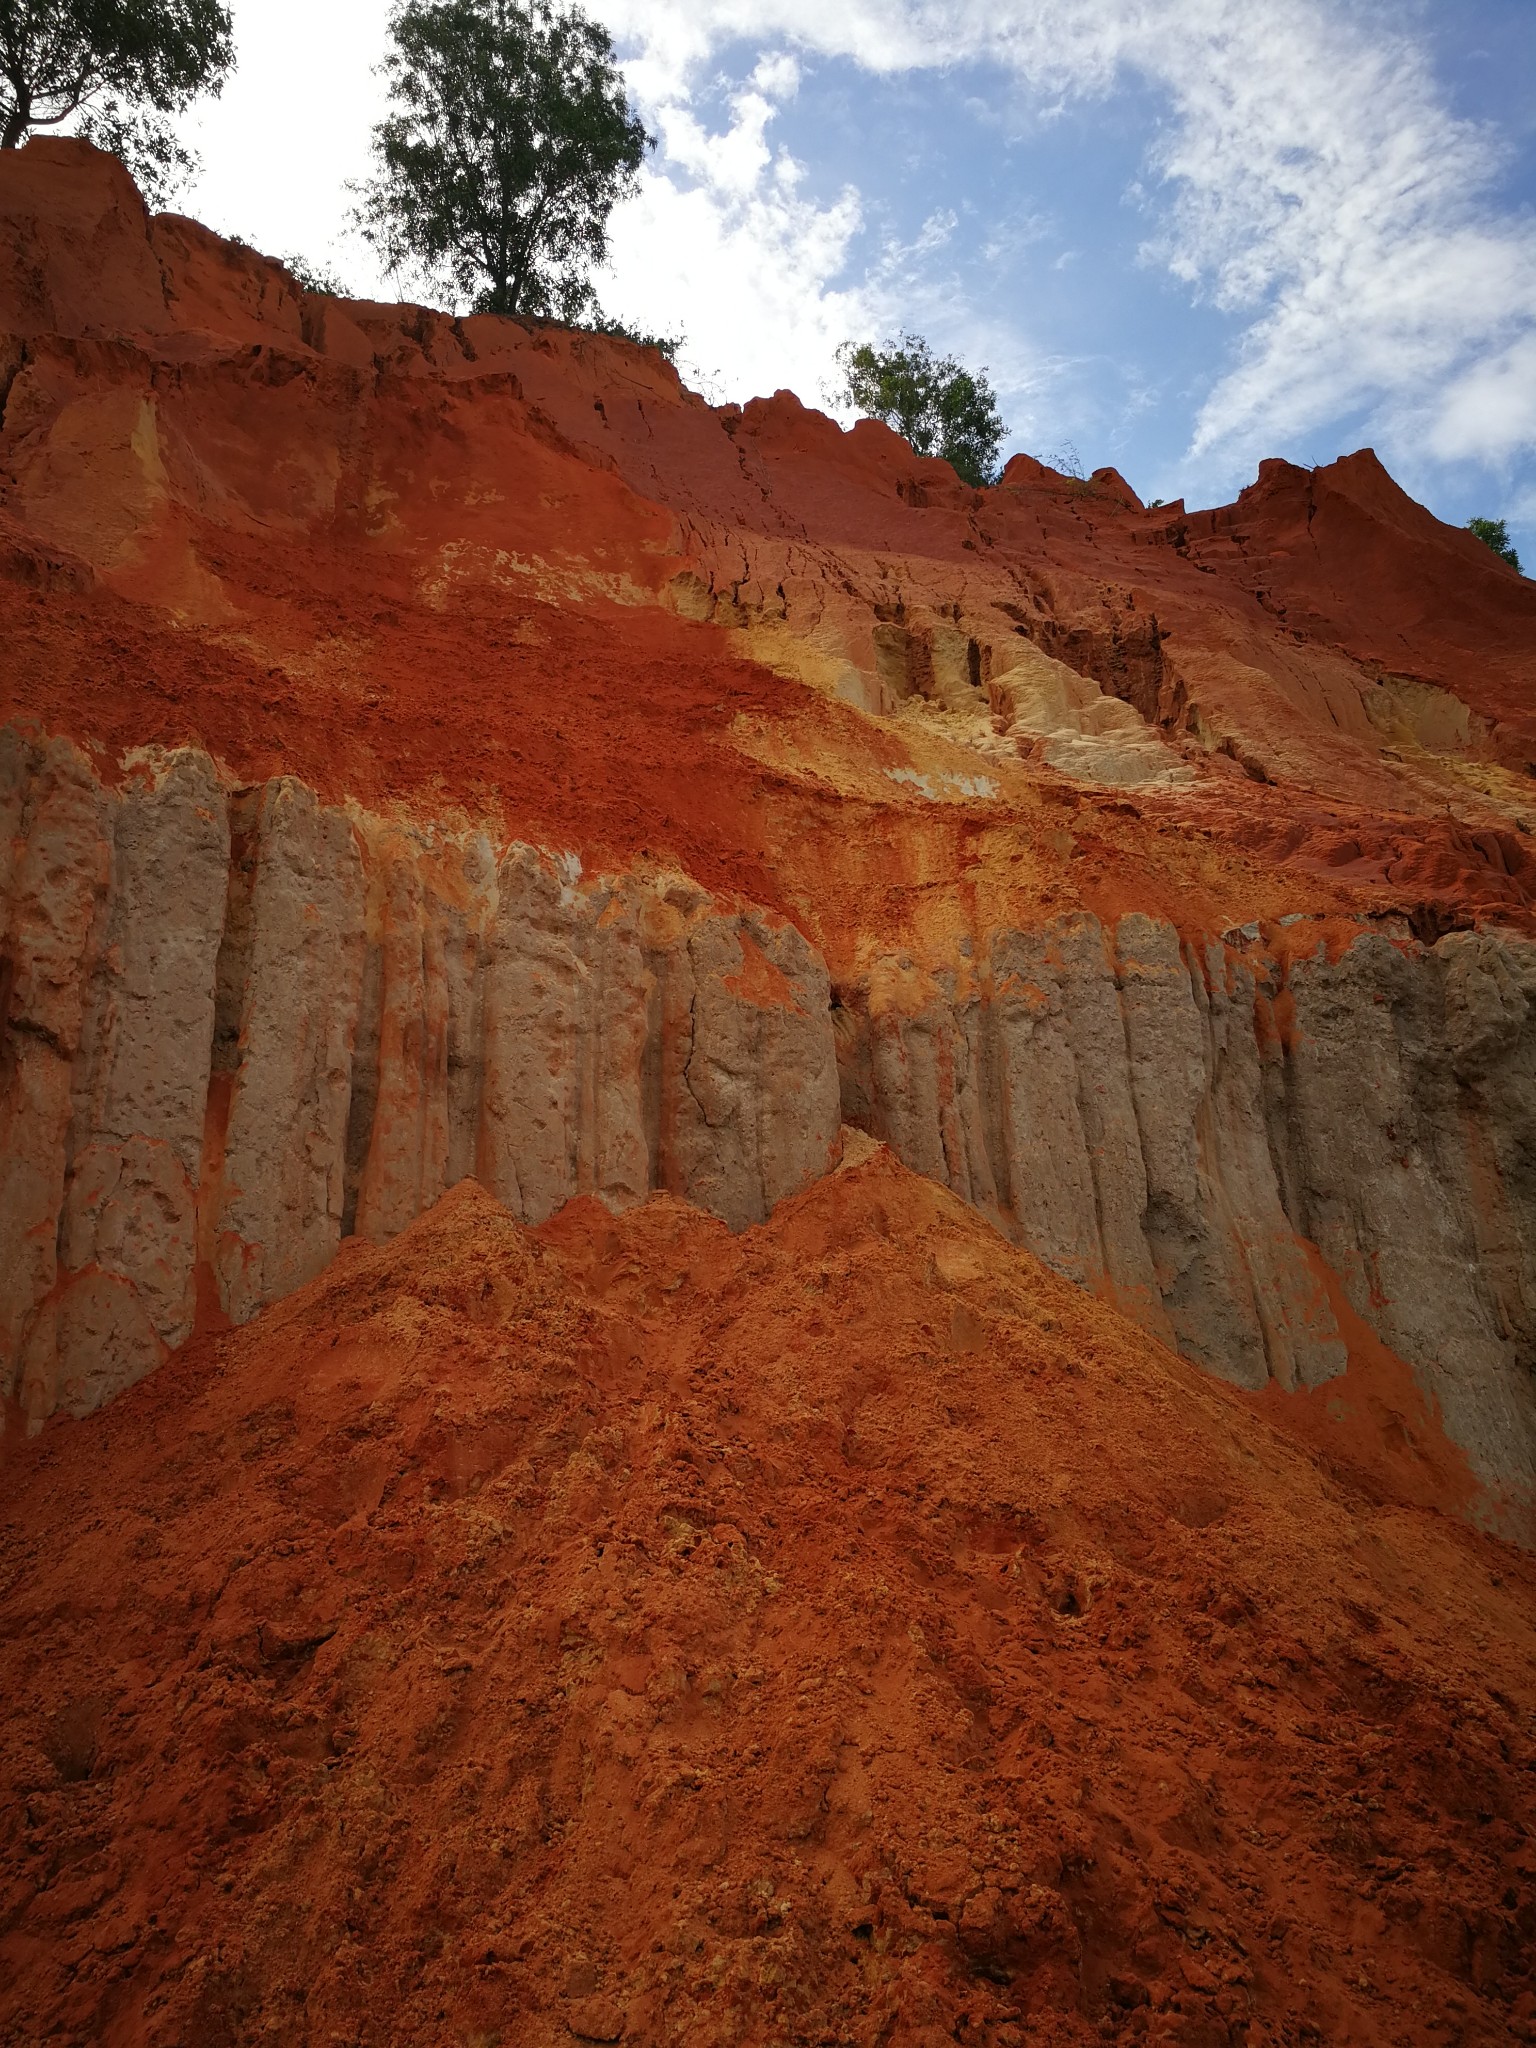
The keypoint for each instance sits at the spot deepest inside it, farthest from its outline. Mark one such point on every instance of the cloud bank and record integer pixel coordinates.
(1308, 177)
(734, 244)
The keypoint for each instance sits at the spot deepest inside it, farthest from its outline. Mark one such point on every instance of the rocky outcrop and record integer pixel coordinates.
(1244, 1156)
(239, 1025)
(57, 857)
(1404, 1139)
(290, 982)
(1065, 718)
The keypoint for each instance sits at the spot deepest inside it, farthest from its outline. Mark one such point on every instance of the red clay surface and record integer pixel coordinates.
(843, 1633)
(847, 1632)
(435, 564)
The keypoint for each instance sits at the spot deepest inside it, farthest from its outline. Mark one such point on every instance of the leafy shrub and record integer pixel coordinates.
(939, 406)
(664, 344)
(1495, 534)
(314, 277)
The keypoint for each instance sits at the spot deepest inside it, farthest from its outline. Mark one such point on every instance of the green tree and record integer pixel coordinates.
(940, 407)
(1495, 534)
(118, 68)
(509, 139)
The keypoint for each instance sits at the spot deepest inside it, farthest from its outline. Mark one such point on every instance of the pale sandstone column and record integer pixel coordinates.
(296, 979)
(128, 1240)
(56, 850)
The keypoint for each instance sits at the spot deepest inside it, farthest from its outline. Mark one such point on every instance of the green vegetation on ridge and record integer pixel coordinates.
(1494, 533)
(941, 407)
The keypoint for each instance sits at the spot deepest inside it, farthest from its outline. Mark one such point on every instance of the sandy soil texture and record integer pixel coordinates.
(844, 1632)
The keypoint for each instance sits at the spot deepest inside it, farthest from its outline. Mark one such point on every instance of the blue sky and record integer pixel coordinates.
(1181, 234)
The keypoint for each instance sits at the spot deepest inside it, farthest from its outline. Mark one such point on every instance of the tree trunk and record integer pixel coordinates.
(502, 298)
(17, 123)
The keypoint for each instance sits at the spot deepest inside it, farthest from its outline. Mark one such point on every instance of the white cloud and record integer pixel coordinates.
(732, 163)
(750, 275)
(777, 74)
(747, 265)
(290, 130)
(1489, 407)
(1521, 515)
(1323, 188)
(1310, 175)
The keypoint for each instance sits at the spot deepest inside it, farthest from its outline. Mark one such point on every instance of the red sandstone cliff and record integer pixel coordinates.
(439, 748)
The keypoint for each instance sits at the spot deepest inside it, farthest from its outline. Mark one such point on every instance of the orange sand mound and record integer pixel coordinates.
(846, 1632)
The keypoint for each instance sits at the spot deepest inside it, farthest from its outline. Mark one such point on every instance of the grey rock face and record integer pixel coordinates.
(1415, 1194)
(112, 910)
(568, 1006)
(279, 1209)
(1126, 1107)
(148, 1032)
(128, 1233)
(239, 1027)
(637, 1036)
(55, 871)
(753, 1106)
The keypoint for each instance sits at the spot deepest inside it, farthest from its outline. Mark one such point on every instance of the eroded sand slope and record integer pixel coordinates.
(505, 1541)
(843, 1631)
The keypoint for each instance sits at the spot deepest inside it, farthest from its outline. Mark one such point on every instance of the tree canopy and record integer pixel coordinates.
(1494, 533)
(121, 66)
(942, 408)
(508, 140)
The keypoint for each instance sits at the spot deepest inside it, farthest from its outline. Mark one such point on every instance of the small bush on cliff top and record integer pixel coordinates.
(508, 140)
(599, 322)
(1495, 534)
(940, 407)
(313, 277)
(118, 67)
